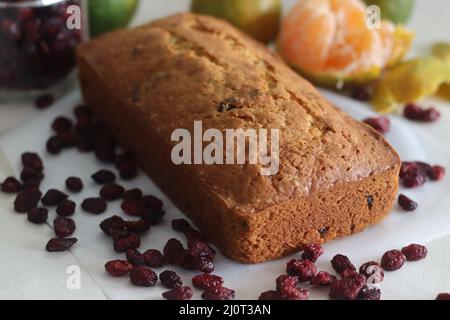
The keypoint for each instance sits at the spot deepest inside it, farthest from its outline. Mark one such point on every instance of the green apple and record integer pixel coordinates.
(398, 11)
(259, 18)
(107, 15)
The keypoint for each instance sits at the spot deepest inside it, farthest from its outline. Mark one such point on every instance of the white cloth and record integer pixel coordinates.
(27, 271)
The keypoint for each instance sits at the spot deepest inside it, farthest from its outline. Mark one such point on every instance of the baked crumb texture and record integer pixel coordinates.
(337, 176)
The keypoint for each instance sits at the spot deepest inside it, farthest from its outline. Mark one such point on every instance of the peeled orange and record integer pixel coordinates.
(332, 42)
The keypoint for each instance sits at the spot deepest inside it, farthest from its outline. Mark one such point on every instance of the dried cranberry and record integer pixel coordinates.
(135, 257)
(44, 101)
(270, 295)
(180, 294)
(64, 227)
(181, 225)
(133, 207)
(407, 167)
(406, 203)
(139, 226)
(112, 192)
(38, 215)
(443, 296)
(323, 279)
(416, 113)
(393, 260)
(373, 271)
(431, 115)
(173, 251)
(62, 124)
(153, 258)
(54, 145)
(59, 245)
(199, 256)
(104, 177)
(114, 222)
(94, 205)
(206, 266)
(207, 281)
(170, 279)
(312, 252)
(305, 270)
(133, 193)
(218, 293)
(341, 263)
(153, 217)
(369, 293)
(66, 208)
(131, 242)
(361, 94)
(415, 252)
(380, 124)
(127, 166)
(414, 179)
(25, 202)
(286, 281)
(32, 161)
(34, 193)
(348, 273)
(54, 198)
(105, 153)
(293, 293)
(143, 277)
(68, 138)
(11, 185)
(74, 184)
(347, 288)
(436, 173)
(118, 268)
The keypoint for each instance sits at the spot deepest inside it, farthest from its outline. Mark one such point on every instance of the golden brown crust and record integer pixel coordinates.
(152, 80)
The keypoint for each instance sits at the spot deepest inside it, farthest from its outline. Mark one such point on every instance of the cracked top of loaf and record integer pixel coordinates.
(179, 69)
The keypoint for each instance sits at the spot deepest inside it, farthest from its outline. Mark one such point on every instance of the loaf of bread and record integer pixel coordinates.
(336, 176)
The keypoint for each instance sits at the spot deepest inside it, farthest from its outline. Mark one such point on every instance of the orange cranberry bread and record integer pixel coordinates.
(337, 176)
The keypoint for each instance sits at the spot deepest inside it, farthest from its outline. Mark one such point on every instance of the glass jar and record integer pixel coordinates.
(37, 43)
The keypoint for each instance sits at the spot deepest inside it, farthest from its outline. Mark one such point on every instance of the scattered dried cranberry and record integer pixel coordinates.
(180, 294)
(348, 273)
(207, 281)
(198, 256)
(94, 205)
(361, 94)
(369, 293)
(173, 251)
(104, 177)
(44, 101)
(443, 296)
(127, 165)
(218, 293)
(131, 242)
(25, 202)
(54, 198)
(415, 252)
(380, 124)
(139, 226)
(34, 193)
(64, 227)
(133, 193)
(293, 293)
(406, 203)
(38, 215)
(11, 185)
(135, 257)
(270, 295)
(62, 124)
(105, 153)
(29, 175)
(373, 271)
(68, 138)
(118, 268)
(114, 222)
(436, 173)
(414, 179)
(66, 208)
(59, 245)
(133, 207)
(55, 145)
(323, 279)
(153, 258)
(74, 184)
(286, 281)
(181, 225)
(416, 113)
(143, 277)
(305, 270)
(341, 263)
(170, 279)
(312, 252)
(153, 217)
(112, 192)
(393, 260)
(32, 161)
(117, 234)
(347, 288)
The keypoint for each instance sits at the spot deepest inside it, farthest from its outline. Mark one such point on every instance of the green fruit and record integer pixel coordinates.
(108, 15)
(398, 11)
(259, 18)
